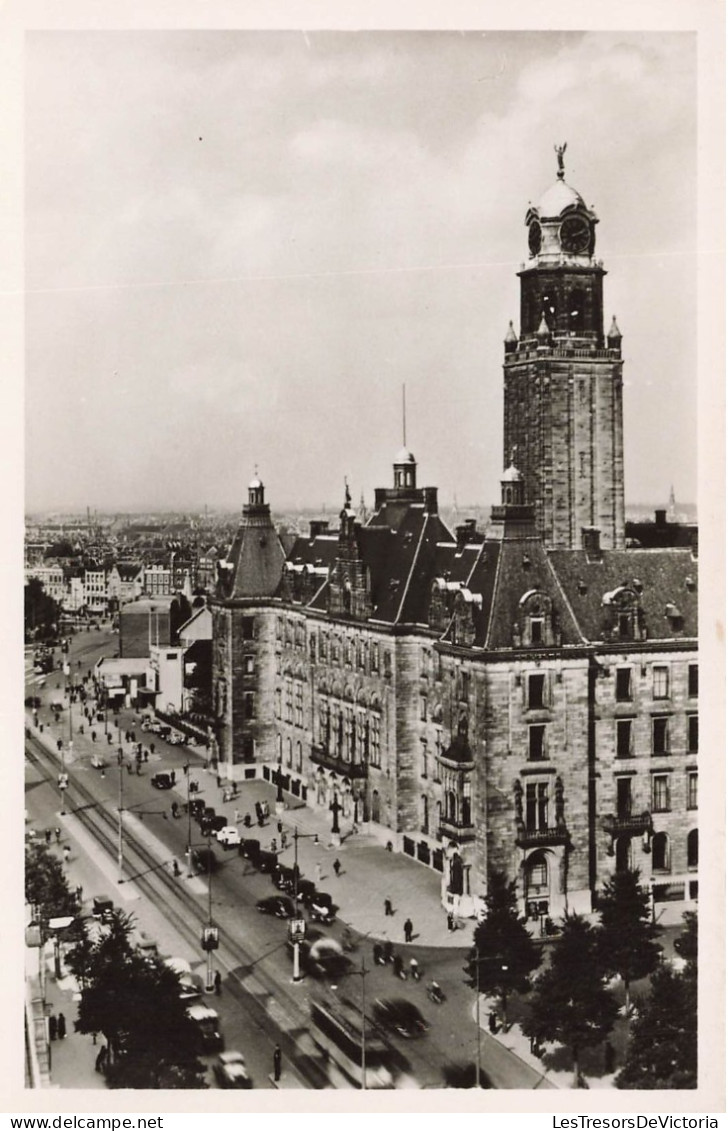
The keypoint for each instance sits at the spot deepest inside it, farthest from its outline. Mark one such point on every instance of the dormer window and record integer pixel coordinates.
(537, 630)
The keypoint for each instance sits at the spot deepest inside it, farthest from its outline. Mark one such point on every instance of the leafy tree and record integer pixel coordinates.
(663, 1047)
(504, 954)
(686, 944)
(134, 1001)
(46, 886)
(626, 937)
(570, 1003)
(41, 611)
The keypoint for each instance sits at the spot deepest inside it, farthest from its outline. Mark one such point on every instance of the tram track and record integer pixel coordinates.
(271, 1009)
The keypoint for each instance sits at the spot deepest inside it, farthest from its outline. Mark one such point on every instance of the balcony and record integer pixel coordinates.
(627, 824)
(322, 757)
(541, 838)
(454, 830)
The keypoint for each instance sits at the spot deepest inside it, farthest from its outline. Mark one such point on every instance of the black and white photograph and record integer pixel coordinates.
(364, 380)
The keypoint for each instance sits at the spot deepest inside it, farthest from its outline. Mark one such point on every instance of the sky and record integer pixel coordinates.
(240, 245)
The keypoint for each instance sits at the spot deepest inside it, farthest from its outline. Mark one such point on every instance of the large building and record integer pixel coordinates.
(523, 699)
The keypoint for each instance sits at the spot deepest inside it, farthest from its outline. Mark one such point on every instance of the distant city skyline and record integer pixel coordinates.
(239, 246)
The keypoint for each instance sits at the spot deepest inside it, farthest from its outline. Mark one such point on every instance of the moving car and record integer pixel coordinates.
(230, 1071)
(190, 985)
(176, 739)
(322, 907)
(163, 779)
(207, 1024)
(400, 1016)
(279, 905)
(228, 836)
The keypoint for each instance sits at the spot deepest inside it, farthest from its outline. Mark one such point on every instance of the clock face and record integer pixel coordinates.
(534, 237)
(575, 235)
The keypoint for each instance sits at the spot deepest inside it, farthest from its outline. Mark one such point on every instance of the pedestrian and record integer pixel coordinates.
(58, 836)
(53, 1026)
(277, 1058)
(259, 813)
(151, 747)
(133, 736)
(128, 768)
(388, 909)
(93, 735)
(450, 921)
(266, 809)
(66, 853)
(414, 968)
(273, 845)
(218, 982)
(337, 866)
(61, 1027)
(175, 868)
(408, 928)
(139, 768)
(146, 755)
(284, 840)
(492, 1022)
(219, 782)
(80, 728)
(101, 1059)
(175, 809)
(48, 835)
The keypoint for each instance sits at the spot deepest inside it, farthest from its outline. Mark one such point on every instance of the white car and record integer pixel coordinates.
(228, 836)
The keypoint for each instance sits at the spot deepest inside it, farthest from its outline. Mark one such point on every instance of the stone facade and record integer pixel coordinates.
(465, 696)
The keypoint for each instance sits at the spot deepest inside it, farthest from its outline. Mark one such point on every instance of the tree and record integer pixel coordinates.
(41, 611)
(686, 944)
(626, 937)
(134, 1001)
(504, 954)
(663, 1046)
(46, 887)
(570, 1003)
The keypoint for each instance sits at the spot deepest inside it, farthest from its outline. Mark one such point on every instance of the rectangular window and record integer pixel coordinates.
(624, 738)
(248, 628)
(624, 625)
(692, 734)
(536, 692)
(334, 651)
(660, 793)
(624, 685)
(423, 708)
(423, 771)
(660, 682)
(537, 806)
(248, 748)
(375, 657)
(374, 748)
(660, 735)
(424, 662)
(536, 743)
(537, 630)
(248, 664)
(299, 704)
(624, 798)
(277, 702)
(692, 799)
(692, 680)
(249, 705)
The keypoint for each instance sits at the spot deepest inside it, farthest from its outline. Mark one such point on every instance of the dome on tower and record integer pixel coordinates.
(254, 484)
(404, 455)
(557, 199)
(511, 475)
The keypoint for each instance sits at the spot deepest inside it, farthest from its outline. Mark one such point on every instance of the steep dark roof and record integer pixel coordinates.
(665, 581)
(257, 558)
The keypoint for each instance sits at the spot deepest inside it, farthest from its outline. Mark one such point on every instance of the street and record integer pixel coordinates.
(259, 1006)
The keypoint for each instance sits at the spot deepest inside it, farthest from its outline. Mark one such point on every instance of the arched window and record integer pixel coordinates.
(451, 805)
(456, 874)
(660, 853)
(279, 747)
(299, 757)
(623, 852)
(425, 815)
(536, 879)
(289, 752)
(693, 848)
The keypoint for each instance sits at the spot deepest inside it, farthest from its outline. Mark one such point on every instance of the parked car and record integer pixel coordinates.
(306, 891)
(279, 905)
(102, 907)
(266, 861)
(250, 849)
(190, 985)
(322, 907)
(228, 836)
(196, 806)
(163, 779)
(400, 1016)
(284, 878)
(210, 826)
(204, 860)
(230, 1072)
(33, 701)
(176, 739)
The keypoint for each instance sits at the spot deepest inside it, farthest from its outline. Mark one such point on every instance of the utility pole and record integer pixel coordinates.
(120, 828)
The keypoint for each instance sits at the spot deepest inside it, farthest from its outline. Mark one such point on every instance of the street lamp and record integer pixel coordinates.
(120, 840)
(296, 932)
(279, 778)
(503, 966)
(362, 973)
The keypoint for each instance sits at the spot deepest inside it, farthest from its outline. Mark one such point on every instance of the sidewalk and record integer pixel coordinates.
(369, 873)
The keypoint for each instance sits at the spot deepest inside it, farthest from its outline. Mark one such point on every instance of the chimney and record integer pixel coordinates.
(465, 532)
(430, 494)
(591, 542)
(661, 517)
(318, 526)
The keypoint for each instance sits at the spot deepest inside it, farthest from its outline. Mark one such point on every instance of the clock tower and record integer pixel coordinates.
(563, 378)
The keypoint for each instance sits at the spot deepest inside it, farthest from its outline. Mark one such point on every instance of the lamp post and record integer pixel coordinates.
(296, 932)
(120, 828)
(504, 966)
(186, 770)
(279, 779)
(362, 973)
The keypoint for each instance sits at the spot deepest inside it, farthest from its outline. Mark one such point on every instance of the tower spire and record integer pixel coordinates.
(560, 150)
(404, 415)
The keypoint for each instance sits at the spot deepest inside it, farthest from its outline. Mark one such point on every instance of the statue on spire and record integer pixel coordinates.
(347, 495)
(514, 453)
(560, 150)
